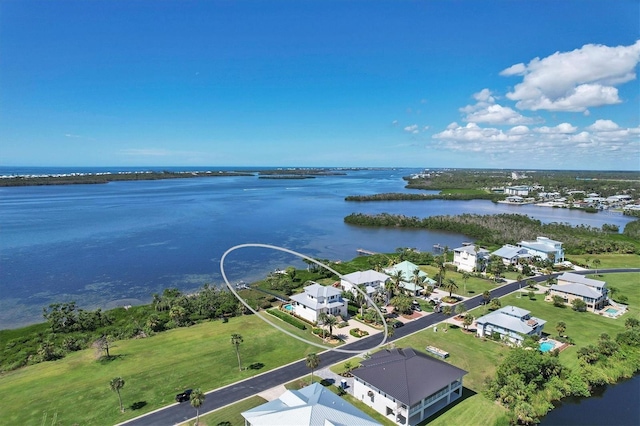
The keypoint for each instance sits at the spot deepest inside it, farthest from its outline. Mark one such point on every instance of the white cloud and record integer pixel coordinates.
(542, 145)
(414, 129)
(576, 80)
(484, 96)
(562, 128)
(487, 111)
(603, 125)
(517, 69)
(497, 114)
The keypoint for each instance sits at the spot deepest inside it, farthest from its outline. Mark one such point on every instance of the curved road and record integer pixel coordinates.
(178, 413)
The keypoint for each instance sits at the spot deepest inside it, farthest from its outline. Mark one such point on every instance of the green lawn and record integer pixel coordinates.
(473, 287)
(607, 260)
(231, 413)
(76, 388)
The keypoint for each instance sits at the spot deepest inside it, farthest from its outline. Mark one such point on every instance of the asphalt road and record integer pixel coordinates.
(178, 413)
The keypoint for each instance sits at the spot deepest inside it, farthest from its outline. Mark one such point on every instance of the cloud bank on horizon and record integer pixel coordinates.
(565, 81)
(482, 84)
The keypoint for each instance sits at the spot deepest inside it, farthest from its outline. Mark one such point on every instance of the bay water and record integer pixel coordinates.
(115, 244)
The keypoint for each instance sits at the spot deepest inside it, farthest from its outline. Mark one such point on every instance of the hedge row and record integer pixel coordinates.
(287, 318)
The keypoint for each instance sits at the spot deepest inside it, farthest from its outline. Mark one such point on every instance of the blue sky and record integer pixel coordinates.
(506, 84)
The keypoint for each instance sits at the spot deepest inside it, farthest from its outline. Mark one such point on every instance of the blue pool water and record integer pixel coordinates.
(546, 346)
(611, 311)
(289, 308)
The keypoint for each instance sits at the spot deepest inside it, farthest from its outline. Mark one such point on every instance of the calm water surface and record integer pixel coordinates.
(118, 243)
(615, 405)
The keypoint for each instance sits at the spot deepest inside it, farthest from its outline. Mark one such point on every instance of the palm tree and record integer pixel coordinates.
(313, 361)
(236, 339)
(465, 278)
(396, 278)
(450, 286)
(197, 399)
(116, 384)
(330, 321)
(467, 321)
(442, 270)
(561, 327)
(486, 296)
(596, 263)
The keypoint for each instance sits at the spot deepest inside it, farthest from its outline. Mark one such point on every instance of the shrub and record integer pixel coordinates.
(558, 301)
(579, 305)
(287, 318)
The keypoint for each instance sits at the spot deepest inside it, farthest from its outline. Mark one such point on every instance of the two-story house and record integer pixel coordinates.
(406, 386)
(574, 286)
(317, 299)
(467, 259)
(511, 323)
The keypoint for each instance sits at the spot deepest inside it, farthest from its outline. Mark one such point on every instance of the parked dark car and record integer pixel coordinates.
(397, 324)
(184, 396)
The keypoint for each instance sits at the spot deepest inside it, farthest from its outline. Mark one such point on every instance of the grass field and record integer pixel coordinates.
(76, 389)
(231, 414)
(473, 286)
(607, 260)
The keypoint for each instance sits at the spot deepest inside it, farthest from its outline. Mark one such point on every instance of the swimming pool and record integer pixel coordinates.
(547, 346)
(611, 311)
(289, 307)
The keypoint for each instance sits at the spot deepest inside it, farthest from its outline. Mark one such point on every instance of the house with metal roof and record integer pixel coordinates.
(406, 386)
(373, 281)
(545, 248)
(510, 254)
(575, 286)
(511, 323)
(313, 405)
(467, 259)
(408, 270)
(317, 299)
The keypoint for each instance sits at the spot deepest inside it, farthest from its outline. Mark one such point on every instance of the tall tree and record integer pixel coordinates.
(116, 384)
(330, 322)
(236, 339)
(450, 286)
(465, 278)
(397, 278)
(561, 327)
(197, 399)
(313, 361)
(596, 263)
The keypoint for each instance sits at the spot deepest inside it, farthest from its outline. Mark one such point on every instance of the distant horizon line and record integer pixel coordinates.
(210, 167)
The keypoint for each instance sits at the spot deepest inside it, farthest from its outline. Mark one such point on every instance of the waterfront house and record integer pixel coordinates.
(511, 254)
(521, 190)
(467, 259)
(406, 386)
(511, 323)
(408, 271)
(310, 406)
(373, 281)
(545, 248)
(317, 299)
(574, 286)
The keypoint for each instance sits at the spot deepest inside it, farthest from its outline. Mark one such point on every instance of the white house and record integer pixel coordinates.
(545, 248)
(510, 254)
(373, 281)
(521, 190)
(406, 386)
(511, 322)
(317, 299)
(575, 286)
(466, 258)
(310, 406)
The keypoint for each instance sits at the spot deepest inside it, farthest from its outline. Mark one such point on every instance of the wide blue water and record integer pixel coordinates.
(118, 243)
